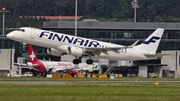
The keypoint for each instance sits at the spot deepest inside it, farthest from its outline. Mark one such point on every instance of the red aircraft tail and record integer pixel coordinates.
(32, 55)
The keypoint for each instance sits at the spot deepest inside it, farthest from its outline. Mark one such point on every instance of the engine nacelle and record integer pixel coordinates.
(75, 51)
(54, 52)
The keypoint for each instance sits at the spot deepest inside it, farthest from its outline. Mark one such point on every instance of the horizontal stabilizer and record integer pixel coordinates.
(158, 56)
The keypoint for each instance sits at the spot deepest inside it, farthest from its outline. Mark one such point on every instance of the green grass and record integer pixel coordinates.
(78, 90)
(94, 91)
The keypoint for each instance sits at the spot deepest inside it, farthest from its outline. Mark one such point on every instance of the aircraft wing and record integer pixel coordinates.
(35, 65)
(104, 50)
(20, 64)
(98, 50)
(54, 69)
(158, 56)
(27, 65)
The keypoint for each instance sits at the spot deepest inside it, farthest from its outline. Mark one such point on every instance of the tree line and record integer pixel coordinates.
(103, 10)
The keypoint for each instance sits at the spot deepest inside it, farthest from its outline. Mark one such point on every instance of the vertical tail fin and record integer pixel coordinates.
(152, 42)
(32, 55)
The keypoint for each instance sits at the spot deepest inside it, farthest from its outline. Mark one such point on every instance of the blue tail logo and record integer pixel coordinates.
(151, 40)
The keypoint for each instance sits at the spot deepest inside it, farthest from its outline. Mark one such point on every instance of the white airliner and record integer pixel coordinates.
(59, 44)
(49, 66)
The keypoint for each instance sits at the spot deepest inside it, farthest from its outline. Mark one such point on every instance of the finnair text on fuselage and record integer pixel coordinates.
(69, 39)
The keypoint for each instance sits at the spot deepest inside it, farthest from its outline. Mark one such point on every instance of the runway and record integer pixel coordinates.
(33, 82)
(79, 81)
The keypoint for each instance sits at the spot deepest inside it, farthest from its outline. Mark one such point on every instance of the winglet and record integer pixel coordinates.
(157, 56)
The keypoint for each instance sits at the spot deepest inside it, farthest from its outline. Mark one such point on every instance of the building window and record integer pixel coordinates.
(127, 35)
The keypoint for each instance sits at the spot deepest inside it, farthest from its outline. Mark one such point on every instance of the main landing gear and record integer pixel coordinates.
(77, 61)
(89, 61)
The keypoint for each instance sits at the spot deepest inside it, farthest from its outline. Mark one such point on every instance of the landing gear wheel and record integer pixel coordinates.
(89, 61)
(76, 61)
(44, 74)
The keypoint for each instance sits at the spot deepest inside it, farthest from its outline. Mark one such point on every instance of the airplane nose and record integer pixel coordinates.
(10, 35)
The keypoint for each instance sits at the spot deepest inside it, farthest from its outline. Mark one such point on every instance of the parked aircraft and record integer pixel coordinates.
(84, 67)
(59, 44)
(49, 66)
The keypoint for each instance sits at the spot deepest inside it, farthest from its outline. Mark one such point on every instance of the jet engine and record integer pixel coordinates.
(54, 52)
(75, 51)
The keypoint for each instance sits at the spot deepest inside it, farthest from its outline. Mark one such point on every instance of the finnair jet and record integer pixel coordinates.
(59, 44)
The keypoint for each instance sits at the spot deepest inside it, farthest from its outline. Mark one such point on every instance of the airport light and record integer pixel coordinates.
(134, 5)
(76, 18)
(3, 12)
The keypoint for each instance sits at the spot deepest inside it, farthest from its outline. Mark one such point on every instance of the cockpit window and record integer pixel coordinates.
(22, 30)
(18, 29)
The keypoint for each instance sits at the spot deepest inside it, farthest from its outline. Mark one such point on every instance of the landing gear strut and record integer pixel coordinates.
(23, 47)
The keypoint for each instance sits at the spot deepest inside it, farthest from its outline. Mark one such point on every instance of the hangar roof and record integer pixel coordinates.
(112, 25)
(55, 17)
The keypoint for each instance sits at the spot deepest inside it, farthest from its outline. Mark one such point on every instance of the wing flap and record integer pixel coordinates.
(98, 50)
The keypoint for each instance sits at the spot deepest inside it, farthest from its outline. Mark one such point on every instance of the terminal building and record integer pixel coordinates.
(124, 33)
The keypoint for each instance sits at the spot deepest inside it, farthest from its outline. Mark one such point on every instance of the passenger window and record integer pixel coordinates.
(22, 30)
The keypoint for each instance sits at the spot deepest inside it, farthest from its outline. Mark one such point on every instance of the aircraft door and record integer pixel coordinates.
(33, 33)
(130, 52)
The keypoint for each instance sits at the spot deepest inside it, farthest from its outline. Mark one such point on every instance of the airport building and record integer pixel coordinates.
(6, 60)
(124, 33)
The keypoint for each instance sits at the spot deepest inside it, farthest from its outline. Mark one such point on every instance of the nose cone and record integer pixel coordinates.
(10, 35)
